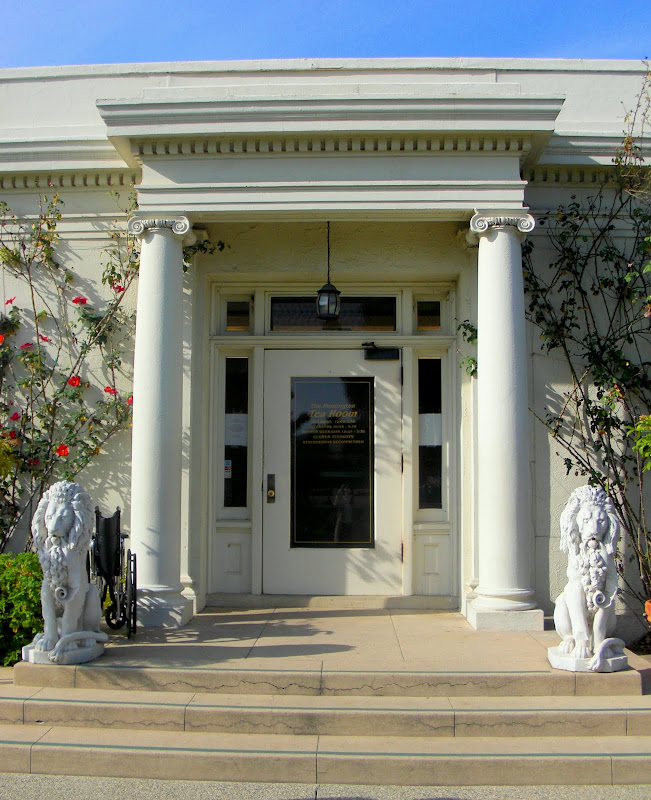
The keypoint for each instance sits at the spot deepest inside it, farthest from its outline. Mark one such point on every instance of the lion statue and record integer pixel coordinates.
(61, 531)
(585, 610)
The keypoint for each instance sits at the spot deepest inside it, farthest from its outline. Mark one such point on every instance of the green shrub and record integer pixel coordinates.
(20, 604)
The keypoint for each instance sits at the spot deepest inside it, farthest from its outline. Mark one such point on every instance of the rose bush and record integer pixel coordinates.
(60, 359)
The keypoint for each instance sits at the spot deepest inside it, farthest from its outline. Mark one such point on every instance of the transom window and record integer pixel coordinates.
(403, 311)
(357, 314)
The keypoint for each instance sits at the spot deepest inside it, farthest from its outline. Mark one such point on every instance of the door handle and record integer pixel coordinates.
(271, 488)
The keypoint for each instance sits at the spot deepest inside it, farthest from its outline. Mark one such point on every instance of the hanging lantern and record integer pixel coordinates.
(328, 300)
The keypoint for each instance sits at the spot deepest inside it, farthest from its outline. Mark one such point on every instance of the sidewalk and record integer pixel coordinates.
(35, 787)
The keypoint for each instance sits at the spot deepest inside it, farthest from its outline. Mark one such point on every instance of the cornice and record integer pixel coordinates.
(295, 119)
(67, 153)
(175, 114)
(581, 149)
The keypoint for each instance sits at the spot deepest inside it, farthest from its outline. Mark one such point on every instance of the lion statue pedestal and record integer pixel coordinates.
(61, 529)
(585, 610)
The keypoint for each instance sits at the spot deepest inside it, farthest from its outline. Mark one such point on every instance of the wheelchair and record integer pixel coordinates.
(113, 568)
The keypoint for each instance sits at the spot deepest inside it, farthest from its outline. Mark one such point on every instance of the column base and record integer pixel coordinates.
(483, 619)
(162, 607)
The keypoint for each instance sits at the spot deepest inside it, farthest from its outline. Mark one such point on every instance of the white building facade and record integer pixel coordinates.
(274, 453)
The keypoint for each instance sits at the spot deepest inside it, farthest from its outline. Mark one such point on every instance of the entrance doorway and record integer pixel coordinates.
(332, 505)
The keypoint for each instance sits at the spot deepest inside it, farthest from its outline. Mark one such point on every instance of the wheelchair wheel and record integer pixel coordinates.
(115, 614)
(131, 594)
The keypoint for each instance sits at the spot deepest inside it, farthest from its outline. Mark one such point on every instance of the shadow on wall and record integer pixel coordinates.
(108, 478)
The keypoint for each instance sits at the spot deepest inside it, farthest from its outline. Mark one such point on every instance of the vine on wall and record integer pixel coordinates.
(592, 305)
(60, 358)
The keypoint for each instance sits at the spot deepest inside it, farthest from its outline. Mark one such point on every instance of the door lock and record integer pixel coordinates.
(271, 488)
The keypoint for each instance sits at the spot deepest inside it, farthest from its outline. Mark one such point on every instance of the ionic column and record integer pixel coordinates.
(505, 599)
(156, 435)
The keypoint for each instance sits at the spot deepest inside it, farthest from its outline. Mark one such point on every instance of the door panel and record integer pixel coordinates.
(332, 442)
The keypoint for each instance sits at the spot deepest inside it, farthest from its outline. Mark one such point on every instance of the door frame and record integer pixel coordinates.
(416, 529)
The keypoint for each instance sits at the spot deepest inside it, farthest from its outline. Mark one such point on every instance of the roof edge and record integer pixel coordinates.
(326, 65)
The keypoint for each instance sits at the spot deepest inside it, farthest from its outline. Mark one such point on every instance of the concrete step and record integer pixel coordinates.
(327, 715)
(312, 682)
(377, 760)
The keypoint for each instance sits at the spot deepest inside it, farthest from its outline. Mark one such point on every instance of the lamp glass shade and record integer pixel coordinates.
(328, 302)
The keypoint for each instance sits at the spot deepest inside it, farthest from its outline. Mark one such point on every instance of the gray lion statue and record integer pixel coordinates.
(585, 610)
(61, 531)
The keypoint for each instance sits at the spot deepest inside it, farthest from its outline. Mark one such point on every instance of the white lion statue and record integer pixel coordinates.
(585, 610)
(61, 529)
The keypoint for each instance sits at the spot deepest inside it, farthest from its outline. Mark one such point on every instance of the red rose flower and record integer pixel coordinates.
(12, 434)
(2, 338)
(74, 381)
(80, 301)
(26, 345)
(110, 390)
(15, 416)
(44, 338)
(62, 450)
(10, 301)
(117, 289)
(130, 400)
(33, 462)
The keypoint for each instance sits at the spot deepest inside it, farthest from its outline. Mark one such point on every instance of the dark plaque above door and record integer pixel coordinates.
(332, 462)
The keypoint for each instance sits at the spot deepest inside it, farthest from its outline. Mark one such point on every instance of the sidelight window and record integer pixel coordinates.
(430, 434)
(236, 429)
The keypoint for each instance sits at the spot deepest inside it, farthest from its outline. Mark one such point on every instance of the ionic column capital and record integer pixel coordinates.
(138, 226)
(483, 223)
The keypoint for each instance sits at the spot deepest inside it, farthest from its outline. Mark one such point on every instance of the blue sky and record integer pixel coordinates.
(39, 32)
